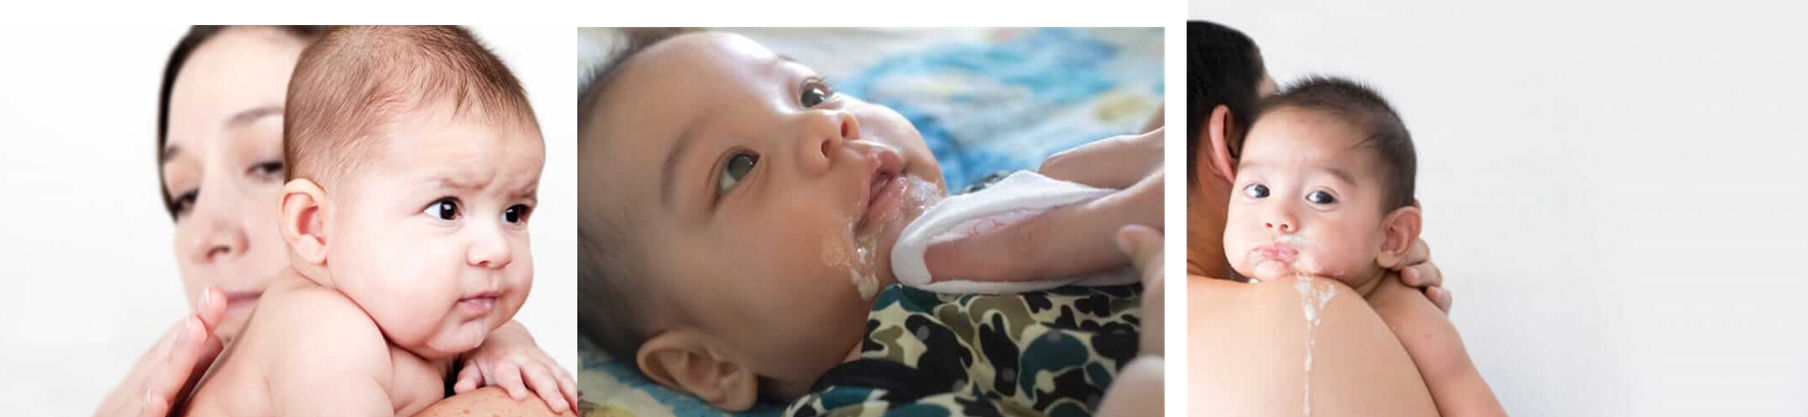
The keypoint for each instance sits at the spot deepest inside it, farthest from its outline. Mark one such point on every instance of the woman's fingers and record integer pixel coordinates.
(1144, 247)
(1115, 162)
(1070, 240)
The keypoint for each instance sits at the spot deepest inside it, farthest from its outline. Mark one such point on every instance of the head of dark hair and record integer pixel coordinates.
(1224, 67)
(612, 281)
(1365, 111)
(192, 40)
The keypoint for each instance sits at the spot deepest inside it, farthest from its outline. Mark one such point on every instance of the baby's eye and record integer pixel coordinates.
(816, 91)
(736, 168)
(267, 170)
(1320, 198)
(516, 214)
(444, 209)
(1256, 191)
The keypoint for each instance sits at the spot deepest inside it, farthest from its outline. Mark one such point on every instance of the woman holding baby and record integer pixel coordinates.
(221, 166)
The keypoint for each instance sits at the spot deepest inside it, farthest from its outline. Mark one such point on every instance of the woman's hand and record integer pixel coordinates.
(1075, 239)
(509, 359)
(1154, 381)
(168, 372)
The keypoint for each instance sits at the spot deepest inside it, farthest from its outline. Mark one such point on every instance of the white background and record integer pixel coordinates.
(1616, 194)
(88, 264)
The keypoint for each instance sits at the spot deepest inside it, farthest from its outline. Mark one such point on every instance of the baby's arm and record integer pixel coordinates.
(1436, 350)
(336, 361)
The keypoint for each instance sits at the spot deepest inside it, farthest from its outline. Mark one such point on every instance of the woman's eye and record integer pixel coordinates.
(815, 92)
(516, 214)
(1256, 191)
(734, 170)
(268, 169)
(444, 209)
(1320, 198)
(185, 202)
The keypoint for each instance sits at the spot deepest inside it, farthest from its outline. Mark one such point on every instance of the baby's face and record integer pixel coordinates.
(766, 203)
(1306, 201)
(430, 237)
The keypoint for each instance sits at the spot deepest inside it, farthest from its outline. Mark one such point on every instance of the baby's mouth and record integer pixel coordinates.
(885, 189)
(479, 304)
(1277, 252)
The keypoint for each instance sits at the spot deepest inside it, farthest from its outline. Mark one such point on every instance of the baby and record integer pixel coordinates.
(1324, 188)
(414, 158)
(736, 222)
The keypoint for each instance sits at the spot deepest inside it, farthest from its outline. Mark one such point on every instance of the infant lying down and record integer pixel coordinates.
(737, 222)
(1324, 188)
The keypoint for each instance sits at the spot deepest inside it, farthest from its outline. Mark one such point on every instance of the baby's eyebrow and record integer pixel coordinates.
(670, 170)
(1341, 174)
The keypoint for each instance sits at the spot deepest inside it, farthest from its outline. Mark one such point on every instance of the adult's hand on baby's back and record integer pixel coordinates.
(1075, 239)
(169, 371)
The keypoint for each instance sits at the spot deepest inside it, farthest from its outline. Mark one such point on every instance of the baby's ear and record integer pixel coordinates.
(1399, 230)
(683, 360)
(300, 216)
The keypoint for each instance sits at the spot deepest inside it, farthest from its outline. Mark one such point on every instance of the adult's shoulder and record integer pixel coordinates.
(1248, 348)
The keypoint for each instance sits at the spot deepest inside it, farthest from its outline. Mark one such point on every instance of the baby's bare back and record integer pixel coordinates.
(299, 328)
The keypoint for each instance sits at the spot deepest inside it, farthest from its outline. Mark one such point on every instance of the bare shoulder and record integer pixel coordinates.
(1357, 366)
(319, 325)
(489, 401)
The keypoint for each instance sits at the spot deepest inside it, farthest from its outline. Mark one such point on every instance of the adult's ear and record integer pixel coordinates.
(301, 220)
(685, 361)
(1399, 230)
(1217, 131)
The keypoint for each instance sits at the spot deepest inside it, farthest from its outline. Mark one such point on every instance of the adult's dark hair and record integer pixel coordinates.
(192, 40)
(1224, 67)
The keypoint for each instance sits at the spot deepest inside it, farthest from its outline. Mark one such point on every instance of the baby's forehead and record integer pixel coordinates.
(1316, 139)
(671, 87)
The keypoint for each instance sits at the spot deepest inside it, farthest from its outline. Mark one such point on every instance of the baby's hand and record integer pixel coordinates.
(509, 359)
(1417, 271)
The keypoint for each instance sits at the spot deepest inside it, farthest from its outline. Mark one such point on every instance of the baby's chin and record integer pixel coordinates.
(921, 194)
(1268, 269)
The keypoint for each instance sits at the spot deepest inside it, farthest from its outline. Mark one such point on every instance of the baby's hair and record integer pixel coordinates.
(1224, 67)
(191, 41)
(357, 80)
(613, 280)
(1370, 114)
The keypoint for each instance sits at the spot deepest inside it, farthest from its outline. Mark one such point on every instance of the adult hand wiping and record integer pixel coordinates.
(1075, 239)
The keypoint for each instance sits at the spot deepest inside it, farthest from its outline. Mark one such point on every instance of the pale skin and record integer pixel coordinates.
(1308, 203)
(720, 96)
(439, 213)
(223, 168)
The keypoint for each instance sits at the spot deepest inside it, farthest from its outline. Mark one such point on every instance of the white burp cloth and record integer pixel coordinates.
(1021, 195)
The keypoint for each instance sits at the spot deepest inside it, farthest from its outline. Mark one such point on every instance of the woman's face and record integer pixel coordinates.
(223, 164)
